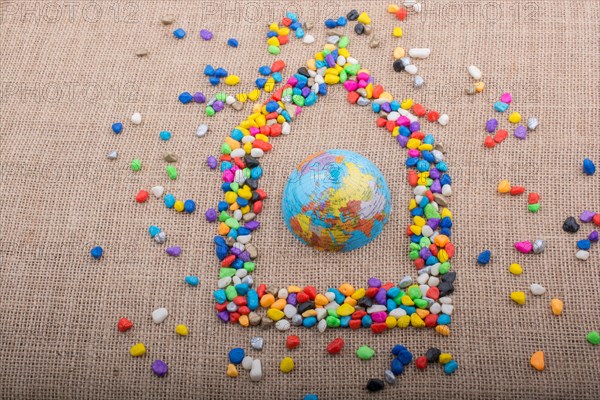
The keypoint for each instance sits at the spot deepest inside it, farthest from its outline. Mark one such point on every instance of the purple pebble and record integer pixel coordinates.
(381, 296)
(386, 107)
(211, 161)
(292, 299)
(593, 237)
(211, 215)
(374, 282)
(434, 173)
(199, 97)
(436, 186)
(433, 223)
(235, 251)
(160, 368)
(491, 125)
(174, 251)
(305, 91)
(206, 35)
(587, 216)
(252, 225)
(521, 132)
(244, 256)
(414, 126)
(402, 140)
(224, 315)
(218, 105)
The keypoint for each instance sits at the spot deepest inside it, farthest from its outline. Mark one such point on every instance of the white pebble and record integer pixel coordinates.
(247, 363)
(352, 60)
(409, 3)
(436, 308)
(443, 119)
(257, 153)
(417, 7)
(433, 281)
(411, 69)
(322, 325)
(238, 153)
(290, 310)
(112, 155)
(159, 315)
(136, 118)
(286, 128)
(341, 61)
(229, 100)
(582, 255)
(241, 273)
(474, 72)
(397, 313)
(447, 190)
(426, 231)
(419, 52)
(238, 215)
(160, 237)
(201, 131)
(321, 313)
(376, 308)
(447, 309)
(537, 289)
(308, 39)
(434, 270)
(257, 342)
(256, 371)
(445, 300)
(157, 191)
(330, 296)
(422, 279)
(282, 294)
(284, 325)
(418, 81)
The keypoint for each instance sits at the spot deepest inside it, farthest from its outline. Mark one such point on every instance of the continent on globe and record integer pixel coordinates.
(336, 200)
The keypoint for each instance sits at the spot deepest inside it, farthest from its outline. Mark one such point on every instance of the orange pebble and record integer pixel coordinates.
(267, 300)
(346, 289)
(537, 360)
(279, 304)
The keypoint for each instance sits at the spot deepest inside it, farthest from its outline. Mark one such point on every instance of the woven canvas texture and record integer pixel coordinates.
(69, 71)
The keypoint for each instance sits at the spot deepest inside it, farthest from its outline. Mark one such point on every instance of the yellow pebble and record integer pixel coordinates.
(269, 85)
(364, 18)
(518, 297)
(442, 255)
(416, 321)
(479, 86)
(286, 365)
(345, 310)
(309, 313)
(419, 221)
(397, 31)
(232, 371)
(504, 186)
(230, 197)
(283, 31)
(275, 314)
(407, 104)
(274, 27)
(399, 53)
(537, 360)
(392, 8)
(407, 301)
(514, 118)
(182, 330)
(331, 79)
(254, 95)
(515, 269)
(391, 322)
(403, 321)
(443, 330)
(446, 213)
(557, 306)
(359, 294)
(241, 97)
(232, 80)
(178, 206)
(445, 358)
(273, 41)
(413, 143)
(294, 289)
(137, 350)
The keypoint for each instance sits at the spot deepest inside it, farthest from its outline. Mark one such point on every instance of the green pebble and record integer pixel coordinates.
(298, 100)
(230, 292)
(398, 299)
(209, 111)
(352, 69)
(414, 292)
(365, 352)
(430, 212)
(136, 164)
(332, 312)
(428, 182)
(343, 76)
(274, 50)
(326, 52)
(534, 207)
(249, 266)
(234, 186)
(593, 337)
(232, 223)
(287, 92)
(420, 303)
(221, 96)
(223, 216)
(172, 172)
(424, 242)
(344, 42)
(414, 246)
(247, 172)
(445, 267)
(226, 272)
(414, 255)
(333, 322)
(225, 149)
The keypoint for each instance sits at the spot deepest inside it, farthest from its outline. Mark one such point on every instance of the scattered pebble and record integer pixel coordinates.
(160, 368)
(257, 343)
(137, 350)
(419, 52)
(582, 255)
(232, 42)
(335, 346)
(159, 315)
(532, 123)
(292, 342)
(518, 297)
(157, 191)
(141, 52)
(537, 289)
(165, 135)
(556, 305)
(570, 225)
(539, 245)
(474, 72)
(206, 34)
(515, 269)
(484, 257)
(96, 252)
(588, 167)
(112, 155)
(124, 325)
(136, 118)
(142, 196)
(182, 330)
(365, 353)
(179, 33)
(232, 371)
(256, 371)
(192, 280)
(375, 385)
(170, 157)
(173, 251)
(537, 360)
(593, 337)
(286, 365)
(247, 363)
(236, 355)
(167, 19)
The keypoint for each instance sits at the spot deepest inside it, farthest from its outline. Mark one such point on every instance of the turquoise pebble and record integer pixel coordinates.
(311, 397)
(450, 367)
(220, 296)
(192, 280)
(179, 33)
(165, 135)
(500, 106)
(444, 319)
(96, 252)
(169, 200)
(153, 230)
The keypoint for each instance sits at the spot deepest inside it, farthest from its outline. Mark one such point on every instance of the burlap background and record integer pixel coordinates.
(68, 70)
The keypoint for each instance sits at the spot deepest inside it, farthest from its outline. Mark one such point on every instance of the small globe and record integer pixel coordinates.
(336, 200)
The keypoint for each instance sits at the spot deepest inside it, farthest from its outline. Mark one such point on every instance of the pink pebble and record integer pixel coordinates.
(403, 121)
(506, 98)
(363, 83)
(362, 76)
(351, 86)
(292, 81)
(228, 176)
(414, 153)
(524, 247)
(254, 131)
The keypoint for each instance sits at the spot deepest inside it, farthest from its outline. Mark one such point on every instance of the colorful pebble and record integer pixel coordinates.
(96, 252)
(537, 360)
(160, 368)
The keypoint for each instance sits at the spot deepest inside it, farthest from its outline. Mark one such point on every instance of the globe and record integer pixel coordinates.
(336, 200)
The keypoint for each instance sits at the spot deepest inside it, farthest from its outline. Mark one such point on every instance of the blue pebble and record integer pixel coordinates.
(397, 367)
(300, 33)
(450, 367)
(242, 288)
(500, 106)
(153, 230)
(444, 319)
(588, 166)
(277, 77)
(271, 34)
(220, 296)
(213, 80)
(330, 23)
(185, 97)
(366, 321)
(422, 166)
(179, 33)
(165, 135)
(189, 206)
(405, 357)
(236, 355)
(484, 257)
(342, 21)
(221, 73)
(265, 70)
(222, 206)
(233, 42)
(309, 322)
(260, 83)
(252, 299)
(397, 349)
(192, 280)
(209, 70)
(96, 252)
(169, 200)
(117, 128)
(271, 106)
(311, 397)
(584, 244)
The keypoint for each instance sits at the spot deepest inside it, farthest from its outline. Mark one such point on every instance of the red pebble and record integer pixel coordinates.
(533, 198)
(419, 110)
(227, 261)
(264, 146)
(596, 219)
(430, 320)
(225, 157)
(311, 291)
(421, 362)
(124, 325)
(234, 317)
(433, 293)
(371, 292)
(283, 39)
(142, 196)
(276, 130)
(377, 90)
(239, 162)
(257, 207)
(244, 310)
(433, 116)
(378, 327)
(449, 247)
(500, 136)
(419, 263)
(336, 346)
(277, 66)
(358, 314)
(401, 14)
(261, 290)
(517, 190)
(387, 286)
(390, 125)
(489, 142)
(241, 300)
(286, 21)
(381, 122)
(292, 342)
(355, 323)
(261, 193)
(221, 307)
(353, 98)
(413, 178)
(302, 297)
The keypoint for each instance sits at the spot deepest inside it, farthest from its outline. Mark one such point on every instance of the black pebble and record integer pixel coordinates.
(359, 29)
(303, 71)
(398, 66)
(449, 277)
(375, 385)
(433, 355)
(251, 162)
(365, 302)
(445, 288)
(570, 225)
(352, 15)
(255, 195)
(253, 183)
(308, 305)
